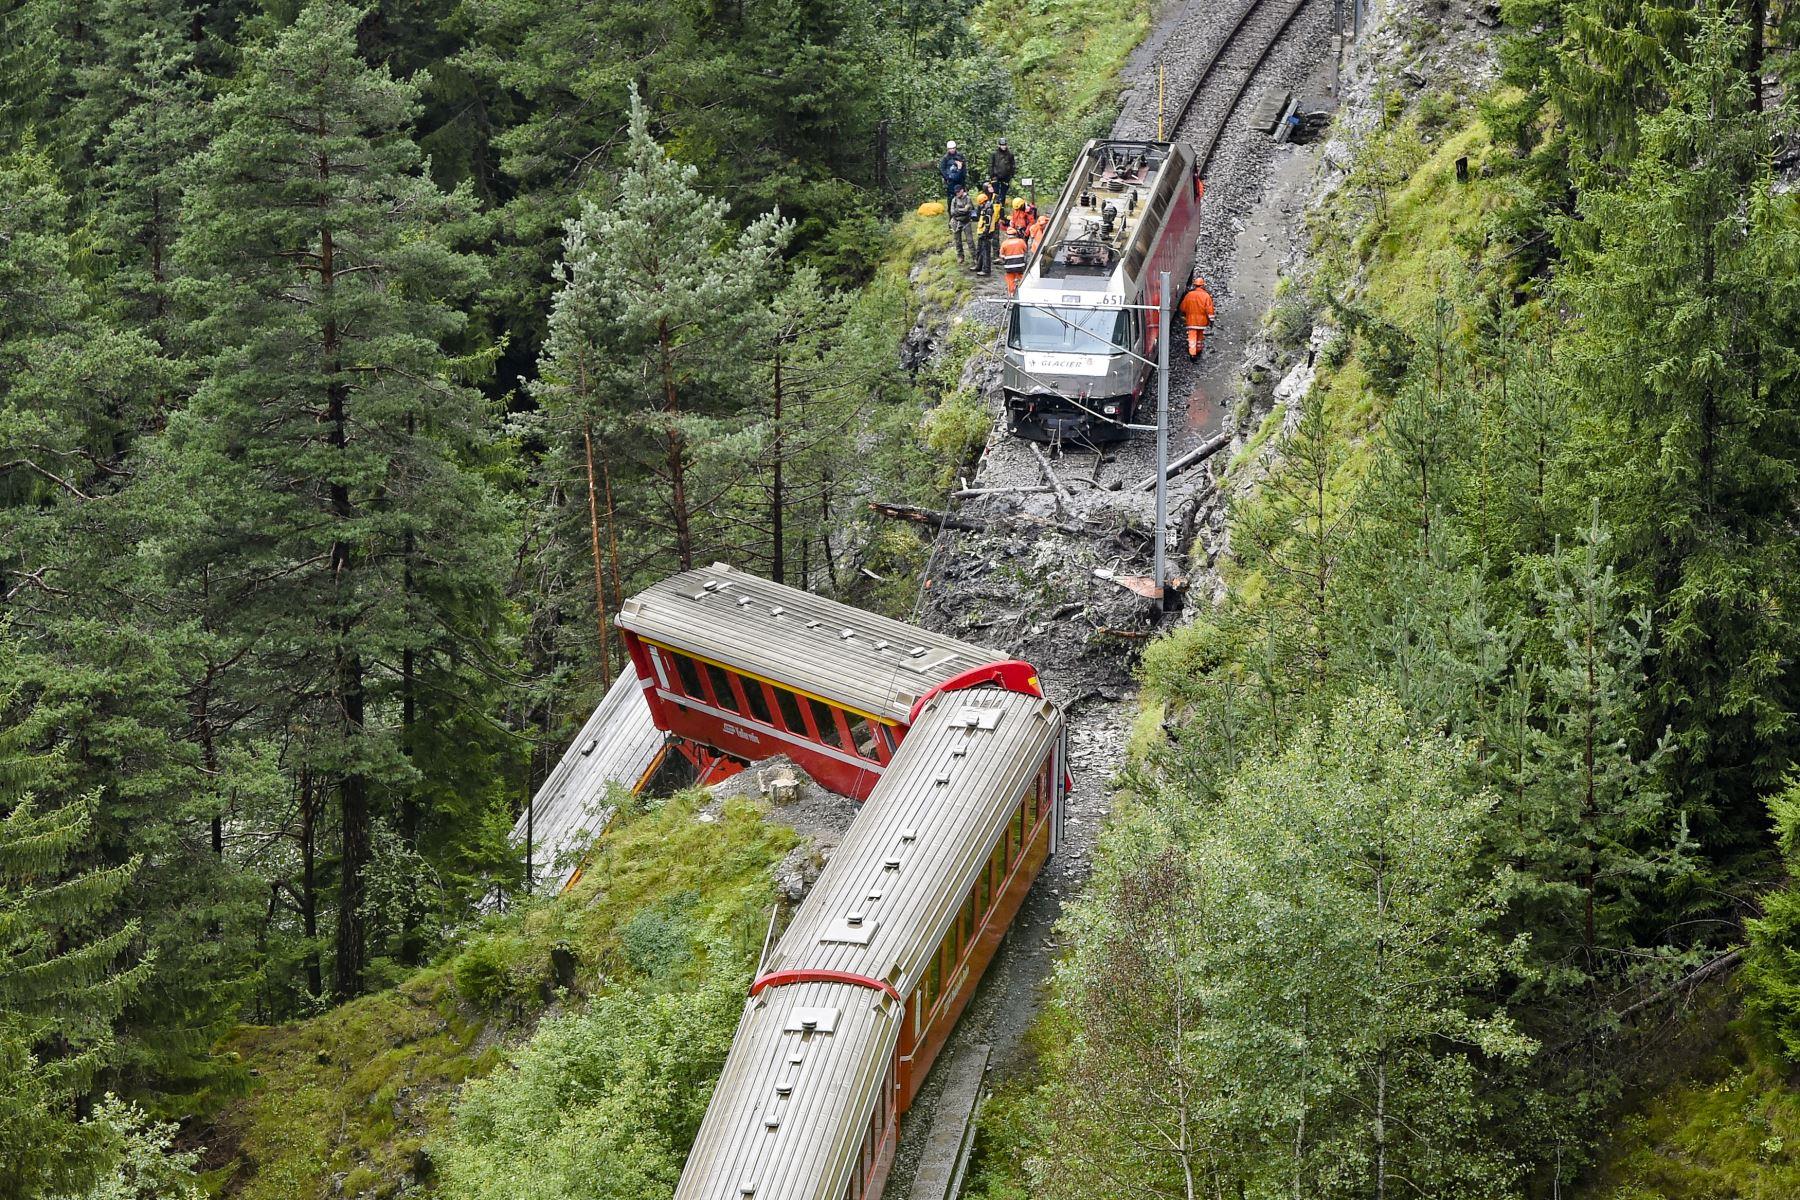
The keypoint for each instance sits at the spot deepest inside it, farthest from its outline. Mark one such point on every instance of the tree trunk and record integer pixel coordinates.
(777, 552)
(587, 438)
(677, 454)
(309, 891)
(347, 670)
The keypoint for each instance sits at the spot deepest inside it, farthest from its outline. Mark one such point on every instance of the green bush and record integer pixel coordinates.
(1771, 972)
(957, 429)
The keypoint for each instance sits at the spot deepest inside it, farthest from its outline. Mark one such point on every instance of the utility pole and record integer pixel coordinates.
(1162, 440)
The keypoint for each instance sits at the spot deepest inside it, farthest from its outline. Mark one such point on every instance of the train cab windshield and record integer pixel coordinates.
(1056, 330)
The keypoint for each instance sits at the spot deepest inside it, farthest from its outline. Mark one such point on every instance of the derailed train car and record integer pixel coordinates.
(858, 996)
(1077, 360)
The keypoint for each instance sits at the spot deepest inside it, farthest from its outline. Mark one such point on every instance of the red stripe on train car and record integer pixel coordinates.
(819, 975)
(1013, 675)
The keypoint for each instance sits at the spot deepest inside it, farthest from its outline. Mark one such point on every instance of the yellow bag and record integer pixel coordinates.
(932, 208)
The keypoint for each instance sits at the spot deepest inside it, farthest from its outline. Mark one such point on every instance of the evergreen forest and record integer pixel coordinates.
(359, 360)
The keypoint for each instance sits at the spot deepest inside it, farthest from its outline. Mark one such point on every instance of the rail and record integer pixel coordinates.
(1204, 157)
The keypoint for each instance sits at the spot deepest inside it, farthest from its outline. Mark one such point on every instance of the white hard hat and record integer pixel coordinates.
(949, 145)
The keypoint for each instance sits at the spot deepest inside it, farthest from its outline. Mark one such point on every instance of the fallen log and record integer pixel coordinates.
(969, 493)
(1014, 522)
(1198, 454)
(929, 516)
(1063, 499)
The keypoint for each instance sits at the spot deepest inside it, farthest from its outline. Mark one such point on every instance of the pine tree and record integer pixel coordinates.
(1688, 295)
(661, 298)
(328, 449)
(64, 972)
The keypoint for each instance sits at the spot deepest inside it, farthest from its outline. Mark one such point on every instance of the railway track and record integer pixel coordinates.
(1265, 21)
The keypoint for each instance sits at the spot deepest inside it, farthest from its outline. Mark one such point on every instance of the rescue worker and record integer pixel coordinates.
(1021, 217)
(1012, 260)
(987, 225)
(962, 217)
(1040, 224)
(1197, 314)
(954, 169)
(1001, 166)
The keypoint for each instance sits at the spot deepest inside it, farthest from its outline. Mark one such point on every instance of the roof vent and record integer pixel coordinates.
(846, 634)
(775, 610)
(746, 1189)
(882, 643)
(589, 748)
(892, 864)
(855, 930)
(915, 652)
(711, 585)
(909, 835)
(771, 1122)
(785, 1088)
(811, 624)
(744, 601)
(943, 777)
(806, 1019)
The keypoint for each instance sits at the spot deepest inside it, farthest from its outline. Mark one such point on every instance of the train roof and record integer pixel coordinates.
(918, 846)
(620, 744)
(1084, 251)
(894, 884)
(833, 1075)
(851, 658)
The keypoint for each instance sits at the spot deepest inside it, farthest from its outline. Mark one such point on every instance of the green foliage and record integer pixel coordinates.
(330, 431)
(309, 1113)
(956, 429)
(64, 974)
(599, 1103)
(1771, 974)
(149, 1167)
(1356, 850)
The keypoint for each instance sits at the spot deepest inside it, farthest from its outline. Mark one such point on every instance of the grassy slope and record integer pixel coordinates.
(360, 1090)
(1727, 1129)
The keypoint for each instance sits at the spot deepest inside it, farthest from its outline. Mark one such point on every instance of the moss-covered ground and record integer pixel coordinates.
(1727, 1129)
(347, 1103)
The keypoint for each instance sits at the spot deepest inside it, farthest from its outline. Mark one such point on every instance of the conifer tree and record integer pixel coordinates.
(648, 347)
(328, 447)
(1689, 294)
(65, 972)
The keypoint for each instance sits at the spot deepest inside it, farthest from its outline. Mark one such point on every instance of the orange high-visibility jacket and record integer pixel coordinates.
(1012, 253)
(1197, 308)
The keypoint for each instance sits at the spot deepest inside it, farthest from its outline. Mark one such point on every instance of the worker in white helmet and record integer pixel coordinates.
(954, 169)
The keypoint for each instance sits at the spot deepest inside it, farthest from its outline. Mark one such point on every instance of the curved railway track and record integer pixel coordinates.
(1268, 18)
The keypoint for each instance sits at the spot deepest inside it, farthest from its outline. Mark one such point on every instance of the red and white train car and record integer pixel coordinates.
(740, 669)
(864, 986)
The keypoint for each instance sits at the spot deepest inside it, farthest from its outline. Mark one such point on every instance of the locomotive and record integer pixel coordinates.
(1078, 359)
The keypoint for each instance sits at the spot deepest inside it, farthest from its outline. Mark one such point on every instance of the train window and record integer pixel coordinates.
(826, 721)
(1051, 329)
(690, 676)
(721, 688)
(1024, 821)
(966, 930)
(759, 703)
(863, 736)
(983, 888)
(934, 980)
(790, 710)
(1012, 841)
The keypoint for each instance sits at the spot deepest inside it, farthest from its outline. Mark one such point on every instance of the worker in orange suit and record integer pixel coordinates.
(1012, 259)
(1196, 314)
(1039, 226)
